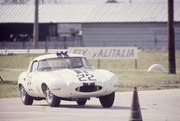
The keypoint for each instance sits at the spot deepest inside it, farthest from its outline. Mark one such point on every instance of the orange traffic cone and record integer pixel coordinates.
(135, 114)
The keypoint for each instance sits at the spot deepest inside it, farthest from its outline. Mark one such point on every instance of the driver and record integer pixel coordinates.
(75, 63)
(59, 63)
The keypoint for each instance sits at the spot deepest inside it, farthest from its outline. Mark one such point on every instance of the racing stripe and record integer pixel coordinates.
(62, 55)
(85, 84)
(77, 71)
(92, 84)
(85, 71)
(65, 55)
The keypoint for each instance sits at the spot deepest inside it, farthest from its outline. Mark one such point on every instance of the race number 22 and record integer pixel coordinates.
(86, 77)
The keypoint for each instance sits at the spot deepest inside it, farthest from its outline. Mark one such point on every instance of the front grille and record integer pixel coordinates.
(88, 88)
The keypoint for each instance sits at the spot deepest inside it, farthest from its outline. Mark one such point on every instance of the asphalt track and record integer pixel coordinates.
(162, 105)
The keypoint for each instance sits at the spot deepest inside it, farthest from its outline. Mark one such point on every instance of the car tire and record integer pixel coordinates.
(52, 100)
(107, 100)
(26, 99)
(81, 102)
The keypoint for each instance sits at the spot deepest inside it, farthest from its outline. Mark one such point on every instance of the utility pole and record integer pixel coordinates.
(36, 27)
(171, 43)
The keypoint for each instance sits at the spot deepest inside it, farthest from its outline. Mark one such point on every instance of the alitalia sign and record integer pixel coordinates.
(106, 52)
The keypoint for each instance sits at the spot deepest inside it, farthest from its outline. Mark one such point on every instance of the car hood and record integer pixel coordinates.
(76, 75)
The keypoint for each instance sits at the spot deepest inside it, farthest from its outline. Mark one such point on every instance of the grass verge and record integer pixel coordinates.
(129, 77)
(9, 89)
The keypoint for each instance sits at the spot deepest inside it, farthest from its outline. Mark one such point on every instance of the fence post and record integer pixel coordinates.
(47, 44)
(135, 63)
(64, 42)
(99, 64)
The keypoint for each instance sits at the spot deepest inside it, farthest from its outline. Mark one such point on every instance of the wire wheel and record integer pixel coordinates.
(26, 99)
(52, 100)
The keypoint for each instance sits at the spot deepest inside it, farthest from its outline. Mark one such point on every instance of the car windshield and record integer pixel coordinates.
(60, 63)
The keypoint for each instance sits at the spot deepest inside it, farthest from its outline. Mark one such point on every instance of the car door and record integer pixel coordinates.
(31, 78)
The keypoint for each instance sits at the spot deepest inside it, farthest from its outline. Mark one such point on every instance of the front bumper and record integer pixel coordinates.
(84, 89)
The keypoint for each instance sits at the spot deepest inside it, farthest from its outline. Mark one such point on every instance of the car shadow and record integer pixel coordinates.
(94, 107)
(87, 107)
(115, 107)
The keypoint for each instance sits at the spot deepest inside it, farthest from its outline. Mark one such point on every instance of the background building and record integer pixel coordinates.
(119, 24)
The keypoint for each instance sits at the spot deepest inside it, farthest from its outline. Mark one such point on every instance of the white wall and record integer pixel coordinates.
(144, 35)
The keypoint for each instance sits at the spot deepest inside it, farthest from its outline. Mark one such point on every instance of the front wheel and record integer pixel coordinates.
(107, 100)
(26, 99)
(52, 100)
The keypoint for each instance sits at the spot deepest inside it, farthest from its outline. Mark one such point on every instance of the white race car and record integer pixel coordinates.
(64, 76)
